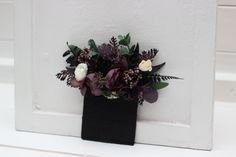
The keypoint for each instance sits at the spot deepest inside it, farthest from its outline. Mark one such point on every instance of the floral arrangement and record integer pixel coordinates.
(114, 70)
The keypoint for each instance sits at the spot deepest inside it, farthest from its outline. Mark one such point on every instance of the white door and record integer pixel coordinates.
(6, 41)
(183, 31)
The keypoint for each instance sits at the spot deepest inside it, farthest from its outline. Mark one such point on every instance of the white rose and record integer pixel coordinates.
(81, 71)
(145, 65)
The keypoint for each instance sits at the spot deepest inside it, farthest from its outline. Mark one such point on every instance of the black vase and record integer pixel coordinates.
(109, 120)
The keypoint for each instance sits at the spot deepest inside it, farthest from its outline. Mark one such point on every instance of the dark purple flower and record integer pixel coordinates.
(92, 82)
(78, 84)
(150, 94)
(107, 52)
(121, 63)
(74, 83)
(113, 79)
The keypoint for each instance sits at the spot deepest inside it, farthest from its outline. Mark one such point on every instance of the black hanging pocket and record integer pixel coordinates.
(109, 120)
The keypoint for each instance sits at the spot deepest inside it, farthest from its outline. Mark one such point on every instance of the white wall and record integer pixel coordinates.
(6, 40)
(226, 51)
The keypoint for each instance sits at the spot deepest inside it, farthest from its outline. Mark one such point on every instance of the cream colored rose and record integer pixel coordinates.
(81, 71)
(145, 65)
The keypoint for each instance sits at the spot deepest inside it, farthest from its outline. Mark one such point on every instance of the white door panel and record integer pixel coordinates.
(182, 30)
(6, 40)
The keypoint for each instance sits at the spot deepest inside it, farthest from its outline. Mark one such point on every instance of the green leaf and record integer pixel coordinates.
(127, 35)
(93, 53)
(92, 45)
(106, 93)
(132, 49)
(71, 47)
(124, 40)
(120, 37)
(66, 53)
(74, 49)
(123, 50)
(157, 67)
(160, 85)
(128, 38)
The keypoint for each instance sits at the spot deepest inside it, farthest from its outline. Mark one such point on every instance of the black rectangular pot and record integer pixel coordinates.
(109, 120)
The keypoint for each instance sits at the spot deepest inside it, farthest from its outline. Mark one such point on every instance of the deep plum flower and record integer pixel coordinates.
(113, 79)
(150, 94)
(107, 51)
(92, 82)
(78, 84)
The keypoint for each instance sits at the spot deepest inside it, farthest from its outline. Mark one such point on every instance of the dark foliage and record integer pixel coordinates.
(114, 43)
(73, 54)
(157, 67)
(150, 54)
(66, 75)
(133, 59)
(159, 78)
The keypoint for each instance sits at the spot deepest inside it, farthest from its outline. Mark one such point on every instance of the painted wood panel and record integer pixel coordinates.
(6, 48)
(6, 70)
(226, 29)
(226, 2)
(6, 28)
(6, 40)
(6, 20)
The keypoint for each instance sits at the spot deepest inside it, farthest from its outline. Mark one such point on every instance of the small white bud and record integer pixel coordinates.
(81, 71)
(145, 65)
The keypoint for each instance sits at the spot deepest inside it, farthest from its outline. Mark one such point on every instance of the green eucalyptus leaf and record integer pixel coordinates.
(123, 50)
(93, 53)
(120, 37)
(127, 36)
(123, 42)
(160, 85)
